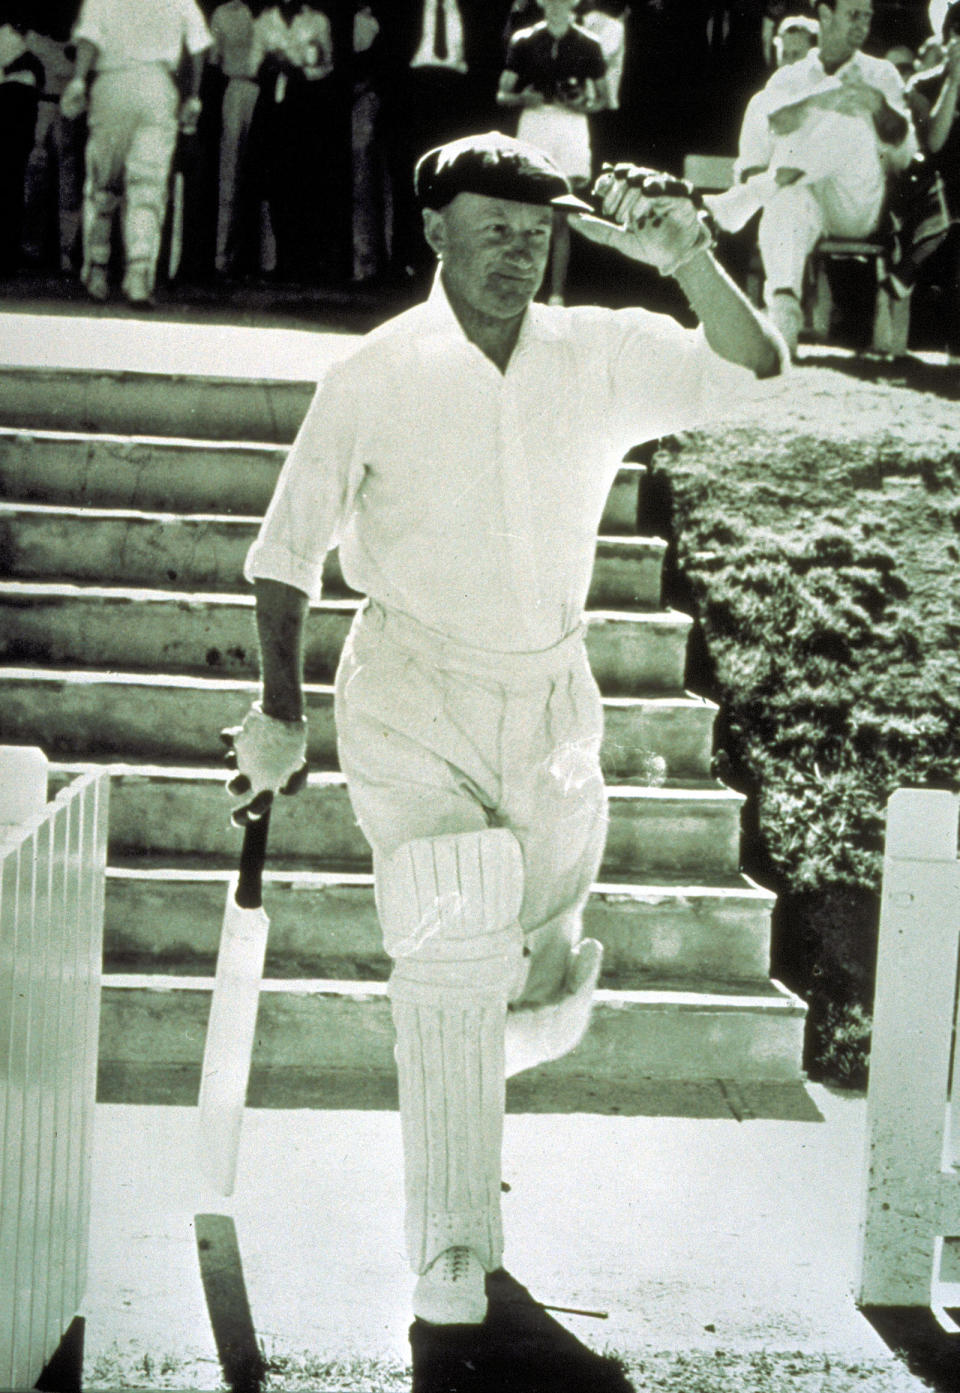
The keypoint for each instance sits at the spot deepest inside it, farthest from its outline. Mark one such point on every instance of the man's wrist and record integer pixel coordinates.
(702, 247)
(287, 710)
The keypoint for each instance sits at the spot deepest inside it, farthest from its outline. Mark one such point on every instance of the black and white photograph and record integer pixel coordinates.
(480, 696)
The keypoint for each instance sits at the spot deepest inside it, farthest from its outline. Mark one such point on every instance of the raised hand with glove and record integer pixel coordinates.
(648, 216)
(270, 756)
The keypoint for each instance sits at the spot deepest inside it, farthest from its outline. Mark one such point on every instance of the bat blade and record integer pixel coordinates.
(231, 1027)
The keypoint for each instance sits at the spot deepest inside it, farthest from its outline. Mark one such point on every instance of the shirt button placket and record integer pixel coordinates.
(518, 514)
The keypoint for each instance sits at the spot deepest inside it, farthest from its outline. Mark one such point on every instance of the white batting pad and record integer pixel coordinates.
(449, 908)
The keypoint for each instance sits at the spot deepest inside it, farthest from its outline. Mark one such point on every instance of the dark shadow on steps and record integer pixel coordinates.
(540, 1091)
(914, 1333)
(519, 1348)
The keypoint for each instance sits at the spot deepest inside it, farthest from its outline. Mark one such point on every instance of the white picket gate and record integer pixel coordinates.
(912, 1193)
(52, 863)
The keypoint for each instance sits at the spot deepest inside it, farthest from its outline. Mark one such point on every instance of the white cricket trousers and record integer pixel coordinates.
(840, 195)
(476, 778)
(132, 121)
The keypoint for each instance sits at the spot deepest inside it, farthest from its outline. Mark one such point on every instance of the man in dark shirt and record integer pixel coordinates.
(445, 57)
(555, 72)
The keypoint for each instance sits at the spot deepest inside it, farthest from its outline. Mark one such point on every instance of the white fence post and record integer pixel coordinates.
(52, 861)
(912, 1194)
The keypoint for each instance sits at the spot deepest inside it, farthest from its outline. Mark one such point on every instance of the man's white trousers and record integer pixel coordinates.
(476, 778)
(840, 194)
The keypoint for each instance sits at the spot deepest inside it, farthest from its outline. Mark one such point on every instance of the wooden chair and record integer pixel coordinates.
(891, 313)
(709, 173)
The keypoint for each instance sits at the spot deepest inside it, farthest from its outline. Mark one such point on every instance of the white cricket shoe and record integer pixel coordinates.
(137, 287)
(787, 315)
(452, 1291)
(98, 287)
(536, 1034)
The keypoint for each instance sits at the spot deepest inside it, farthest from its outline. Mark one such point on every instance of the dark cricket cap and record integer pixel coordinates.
(951, 19)
(495, 165)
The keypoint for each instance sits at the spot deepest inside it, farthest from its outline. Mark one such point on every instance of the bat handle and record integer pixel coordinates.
(252, 855)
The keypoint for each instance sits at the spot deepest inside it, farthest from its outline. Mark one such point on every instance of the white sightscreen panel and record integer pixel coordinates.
(25, 1063)
(96, 797)
(35, 1225)
(12, 1103)
(51, 921)
(63, 933)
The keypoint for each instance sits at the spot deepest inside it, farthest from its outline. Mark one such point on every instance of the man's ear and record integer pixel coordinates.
(435, 231)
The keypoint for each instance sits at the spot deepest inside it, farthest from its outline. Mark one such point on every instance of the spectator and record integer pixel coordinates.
(54, 176)
(930, 54)
(796, 35)
(237, 50)
(606, 20)
(21, 78)
(369, 166)
(775, 14)
(935, 101)
(556, 74)
(903, 59)
(134, 109)
(523, 14)
(446, 58)
(296, 126)
(839, 125)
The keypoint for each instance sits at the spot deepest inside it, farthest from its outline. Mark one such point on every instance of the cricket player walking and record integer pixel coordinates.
(460, 457)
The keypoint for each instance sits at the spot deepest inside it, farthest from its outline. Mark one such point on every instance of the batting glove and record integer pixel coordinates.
(666, 219)
(270, 756)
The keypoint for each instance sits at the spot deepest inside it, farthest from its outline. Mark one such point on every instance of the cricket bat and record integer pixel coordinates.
(231, 1027)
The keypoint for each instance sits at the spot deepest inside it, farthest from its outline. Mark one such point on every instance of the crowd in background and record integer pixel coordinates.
(311, 117)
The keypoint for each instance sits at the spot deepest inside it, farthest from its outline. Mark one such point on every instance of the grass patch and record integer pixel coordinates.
(701, 1371)
(818, 548)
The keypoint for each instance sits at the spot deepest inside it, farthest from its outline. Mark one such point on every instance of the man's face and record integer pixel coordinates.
(557, 12)
(494, 251)
(844, 29)
(794, 44)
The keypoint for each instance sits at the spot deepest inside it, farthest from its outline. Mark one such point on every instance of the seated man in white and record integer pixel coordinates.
(839, 126)
(796, 35)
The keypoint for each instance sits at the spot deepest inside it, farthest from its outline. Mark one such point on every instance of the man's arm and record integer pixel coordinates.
(281, 610)
(945, 107)
(74, 98)
(731, 324)
(509, 94)
(652, 219)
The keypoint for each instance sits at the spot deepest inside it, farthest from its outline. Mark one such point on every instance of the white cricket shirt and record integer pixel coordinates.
(795, 81)
(469, 498)
(127, 33)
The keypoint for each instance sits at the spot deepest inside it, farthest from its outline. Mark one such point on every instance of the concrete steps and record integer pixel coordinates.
(175, 811)
(175, 718)
(125, 402)
(134, 628)
(127, 638)
(166, 918)
(205, 552)
(331, 1028)
(161, 475)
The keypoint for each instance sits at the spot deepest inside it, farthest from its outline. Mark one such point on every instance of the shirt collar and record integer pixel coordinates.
(817, 62)
(539, 322)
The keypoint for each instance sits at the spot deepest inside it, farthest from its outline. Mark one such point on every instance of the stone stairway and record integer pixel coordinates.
(127, 638)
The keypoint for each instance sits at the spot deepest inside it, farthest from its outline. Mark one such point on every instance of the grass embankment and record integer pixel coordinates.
(819, 547)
